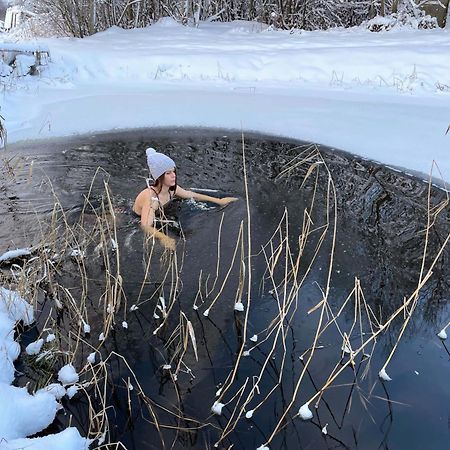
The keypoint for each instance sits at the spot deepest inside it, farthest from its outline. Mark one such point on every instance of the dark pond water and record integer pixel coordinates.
(379, 238)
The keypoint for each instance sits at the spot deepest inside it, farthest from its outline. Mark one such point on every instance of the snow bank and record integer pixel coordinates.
(22, 414)
(384, 96)
(13, 254)
(25, 414)
(13, 308)
(69, 439)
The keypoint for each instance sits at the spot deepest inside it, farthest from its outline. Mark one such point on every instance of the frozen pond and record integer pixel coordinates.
(380, 217)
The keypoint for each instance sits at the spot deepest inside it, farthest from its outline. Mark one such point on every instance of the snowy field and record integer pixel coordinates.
(385, 96)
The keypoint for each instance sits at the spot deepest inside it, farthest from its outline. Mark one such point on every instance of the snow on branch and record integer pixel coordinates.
(83, 18)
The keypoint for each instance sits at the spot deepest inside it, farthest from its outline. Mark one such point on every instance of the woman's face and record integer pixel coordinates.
(170, 178)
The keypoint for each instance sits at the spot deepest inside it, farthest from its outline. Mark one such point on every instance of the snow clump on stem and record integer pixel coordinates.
(216, 408)
(384, 376)
(442, 334)
(68, 375)
(304, 412)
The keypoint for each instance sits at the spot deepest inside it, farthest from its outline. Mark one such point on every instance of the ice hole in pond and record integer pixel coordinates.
(317, 216)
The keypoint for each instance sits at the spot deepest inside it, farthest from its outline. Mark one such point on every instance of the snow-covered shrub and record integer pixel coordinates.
(82, 18)
(380, 23)
(324, 14)
(408, 15)
(41, 25)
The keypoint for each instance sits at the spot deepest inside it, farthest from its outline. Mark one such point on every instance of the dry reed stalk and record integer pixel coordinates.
(430, 223)
(230, 378)
(331, 193)
(199, 292)
(180, 337)
(3, 132)
(208, 291)
(230, 424)
(311, 154)
(370, 339)
(271, 264)
(285, 272)
(283, 309)
(173, 269)
(227, 275)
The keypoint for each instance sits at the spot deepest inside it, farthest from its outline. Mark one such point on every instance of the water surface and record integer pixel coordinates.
(379, 238)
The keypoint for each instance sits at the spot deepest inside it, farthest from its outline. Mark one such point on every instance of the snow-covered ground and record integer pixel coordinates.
(22, 414)
(385, 96)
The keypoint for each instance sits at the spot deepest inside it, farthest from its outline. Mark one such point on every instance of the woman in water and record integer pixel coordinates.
(150, 202)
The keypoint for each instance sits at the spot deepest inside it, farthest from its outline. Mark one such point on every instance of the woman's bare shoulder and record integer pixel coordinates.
(144, 194)
(144, 197)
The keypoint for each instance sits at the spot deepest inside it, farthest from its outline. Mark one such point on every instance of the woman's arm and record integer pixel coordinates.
(183, 193)
(147, 224)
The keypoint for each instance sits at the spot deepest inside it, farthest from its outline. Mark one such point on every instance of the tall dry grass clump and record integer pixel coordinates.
(75, 279)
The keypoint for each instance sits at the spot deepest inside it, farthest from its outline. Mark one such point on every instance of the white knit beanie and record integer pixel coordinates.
(158, 163)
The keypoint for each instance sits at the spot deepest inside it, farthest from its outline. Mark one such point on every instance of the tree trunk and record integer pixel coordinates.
(92, 18)
(395, 6)
(447, 17)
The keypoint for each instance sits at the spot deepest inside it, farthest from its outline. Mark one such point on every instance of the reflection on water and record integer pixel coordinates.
(379, 238)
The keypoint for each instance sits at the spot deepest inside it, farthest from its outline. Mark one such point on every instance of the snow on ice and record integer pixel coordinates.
(384, 96)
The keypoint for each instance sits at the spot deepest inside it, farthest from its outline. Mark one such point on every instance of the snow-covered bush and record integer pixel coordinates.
(84, 17)
(380, 23)
(408, 15)
(40, 25)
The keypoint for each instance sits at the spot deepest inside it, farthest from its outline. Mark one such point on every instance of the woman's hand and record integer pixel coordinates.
(226, 200)
(168, 242)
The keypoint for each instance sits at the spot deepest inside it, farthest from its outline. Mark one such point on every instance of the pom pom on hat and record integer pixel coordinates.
(158, 163)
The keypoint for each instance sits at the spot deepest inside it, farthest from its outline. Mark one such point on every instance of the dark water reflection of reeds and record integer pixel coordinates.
(410, 412)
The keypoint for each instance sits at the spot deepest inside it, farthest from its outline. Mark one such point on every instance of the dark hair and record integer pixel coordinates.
(159, 181)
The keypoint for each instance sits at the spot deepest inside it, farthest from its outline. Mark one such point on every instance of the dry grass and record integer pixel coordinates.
(69, 299)
(3, 133)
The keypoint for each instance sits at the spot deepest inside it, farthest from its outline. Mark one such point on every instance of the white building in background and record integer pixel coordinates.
(15, 15)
